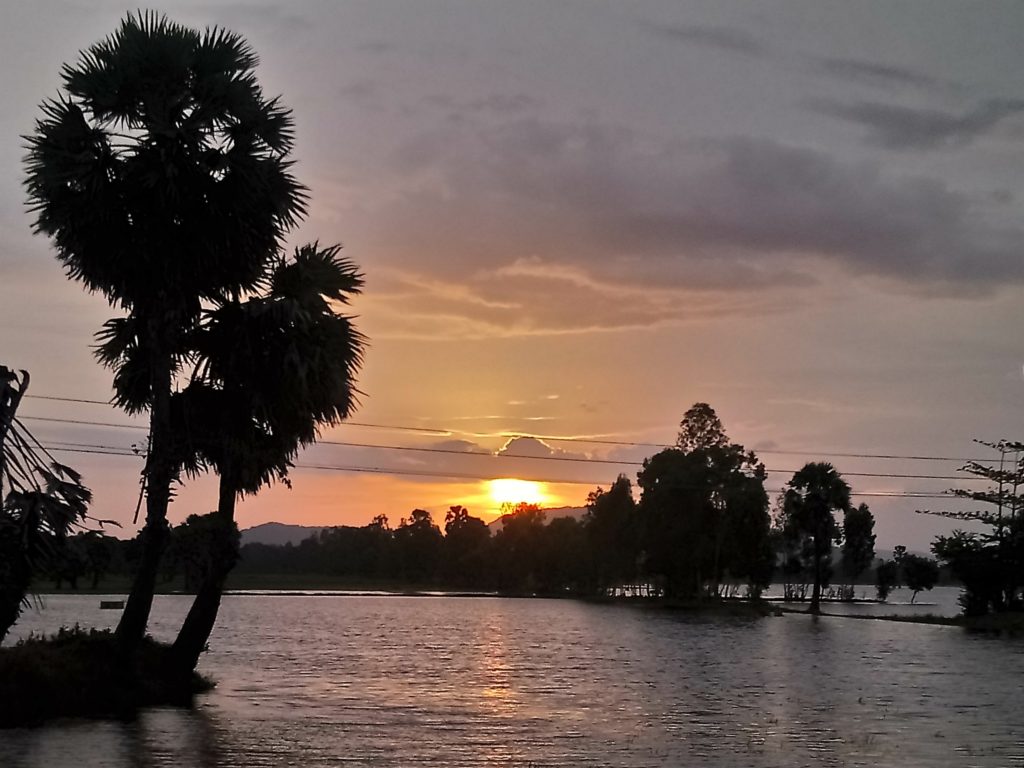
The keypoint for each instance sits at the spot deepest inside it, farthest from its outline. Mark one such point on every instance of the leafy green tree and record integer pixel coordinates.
(69, 564)
(810, 502)
(887, 578)
(418, 543)
(701, 429)
(990, 564)
(703, 511)
(919, 573)
(561, 557)
(161, 175)
(611, 532)
(517, 547)
(858, 541)
(467, 549)
(100, 555)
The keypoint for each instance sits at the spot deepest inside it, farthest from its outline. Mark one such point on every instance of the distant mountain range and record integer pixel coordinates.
(279, 534)
(576, 513)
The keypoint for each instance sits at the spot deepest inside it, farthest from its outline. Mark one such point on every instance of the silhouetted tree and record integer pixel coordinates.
(100, 554)
(269, 373)
(990, 565)
(811, 499)
(919, 573)
(611, 530)
(858, 542)
(887, 578)
(161, 175)
(701, 429)
(41, 501)
(517, 547)
(418, 544)
(467, 549)
(704, 511)
(561, 557)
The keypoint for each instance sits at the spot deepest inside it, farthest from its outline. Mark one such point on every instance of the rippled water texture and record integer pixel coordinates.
(401, 681)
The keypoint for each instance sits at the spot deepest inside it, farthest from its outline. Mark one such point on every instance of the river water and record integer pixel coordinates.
(446, 681)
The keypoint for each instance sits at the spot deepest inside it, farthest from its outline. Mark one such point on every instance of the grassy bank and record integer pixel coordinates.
(80, 673)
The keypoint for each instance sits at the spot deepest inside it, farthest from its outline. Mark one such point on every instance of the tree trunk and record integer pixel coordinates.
(195, 631)
(815, 608)
(159, 475)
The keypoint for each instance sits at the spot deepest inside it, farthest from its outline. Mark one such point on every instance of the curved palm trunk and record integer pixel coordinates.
(195, 631)
(155, 533)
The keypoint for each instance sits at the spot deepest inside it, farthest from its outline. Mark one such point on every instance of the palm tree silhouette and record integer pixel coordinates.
(270, 372)
(41, 501)
(161, 175)
(812, 497)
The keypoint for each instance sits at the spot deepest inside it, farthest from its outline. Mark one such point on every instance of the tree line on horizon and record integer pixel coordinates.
(700, 529)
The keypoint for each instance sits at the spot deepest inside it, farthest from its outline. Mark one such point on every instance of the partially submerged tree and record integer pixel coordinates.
(887, 578)
(269, 373)
(161, 175)
(858, 542)
(990, 564)
(811, 500)
(703, 511)
(919, 573)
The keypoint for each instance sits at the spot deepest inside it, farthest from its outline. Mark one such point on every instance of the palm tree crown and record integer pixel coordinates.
(160, 172)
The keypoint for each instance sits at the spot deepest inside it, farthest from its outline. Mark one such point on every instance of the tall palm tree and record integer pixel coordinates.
(270, 372)
(811, 500)
(161, 175)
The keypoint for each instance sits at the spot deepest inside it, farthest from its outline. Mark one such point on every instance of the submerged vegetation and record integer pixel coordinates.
(86, 673)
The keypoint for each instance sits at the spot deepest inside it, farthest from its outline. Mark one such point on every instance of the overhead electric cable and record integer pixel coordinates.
(442, 431)
(572, 459)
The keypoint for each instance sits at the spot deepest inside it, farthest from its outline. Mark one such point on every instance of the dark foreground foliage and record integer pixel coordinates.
(86, 673)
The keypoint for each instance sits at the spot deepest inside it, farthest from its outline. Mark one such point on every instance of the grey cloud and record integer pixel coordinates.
(461, 446)
(532, 447)
(897, 127)
(721, 37)
(492, 103)
(873, 73)
(532, 226)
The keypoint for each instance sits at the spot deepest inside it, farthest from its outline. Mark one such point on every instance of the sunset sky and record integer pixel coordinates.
(576, 219)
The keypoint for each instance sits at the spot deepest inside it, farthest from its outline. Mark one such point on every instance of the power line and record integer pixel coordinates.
(70, 400)
(84, 422)
(573, 459)
(451, 451)
(470, 476)
(442, 431)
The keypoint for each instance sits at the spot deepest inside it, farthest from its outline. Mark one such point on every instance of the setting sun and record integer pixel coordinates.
(507, 490)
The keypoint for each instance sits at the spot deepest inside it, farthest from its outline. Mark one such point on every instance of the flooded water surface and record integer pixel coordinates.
(445, 681)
